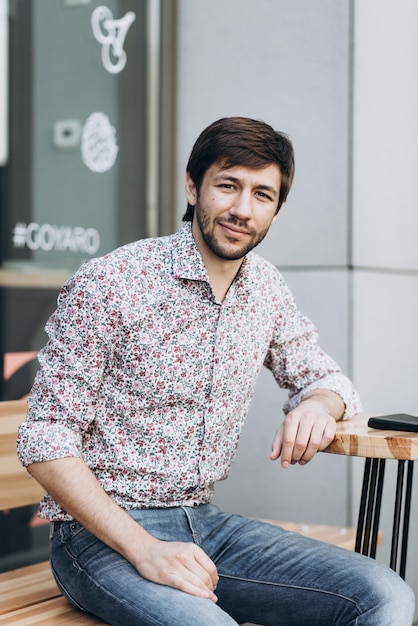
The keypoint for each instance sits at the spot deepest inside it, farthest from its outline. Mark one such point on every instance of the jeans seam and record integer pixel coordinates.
(104, 591)
(64, 591)
(288, 586)
(192, 522)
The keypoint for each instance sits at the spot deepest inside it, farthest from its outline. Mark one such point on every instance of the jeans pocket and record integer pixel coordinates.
(74, 539)
(74, 529)
(64, 531)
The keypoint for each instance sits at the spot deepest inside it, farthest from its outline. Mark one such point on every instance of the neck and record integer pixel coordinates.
(221, 280)
(221, 272)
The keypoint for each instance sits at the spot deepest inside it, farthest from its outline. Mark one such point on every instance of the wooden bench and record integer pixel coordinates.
(29, 595)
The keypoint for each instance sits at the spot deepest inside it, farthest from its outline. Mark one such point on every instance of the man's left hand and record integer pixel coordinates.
(308, 428)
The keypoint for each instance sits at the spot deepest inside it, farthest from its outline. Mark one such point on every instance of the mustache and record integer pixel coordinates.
(234, 221)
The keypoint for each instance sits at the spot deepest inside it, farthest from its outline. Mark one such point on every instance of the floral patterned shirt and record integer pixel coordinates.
(148, 378)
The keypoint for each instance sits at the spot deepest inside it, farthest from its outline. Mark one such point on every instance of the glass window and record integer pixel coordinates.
(89, 108)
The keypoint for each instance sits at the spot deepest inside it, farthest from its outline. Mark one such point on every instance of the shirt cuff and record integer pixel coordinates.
(46, 441)
(338, 383)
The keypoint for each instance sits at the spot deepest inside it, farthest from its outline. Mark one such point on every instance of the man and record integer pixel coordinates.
(139, 402)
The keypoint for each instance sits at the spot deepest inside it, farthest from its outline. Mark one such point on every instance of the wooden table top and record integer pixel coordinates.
(355, 438)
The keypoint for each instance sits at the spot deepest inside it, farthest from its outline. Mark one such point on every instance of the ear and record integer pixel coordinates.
(191, 191)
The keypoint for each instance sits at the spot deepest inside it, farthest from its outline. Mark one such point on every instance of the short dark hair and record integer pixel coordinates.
(235, 141)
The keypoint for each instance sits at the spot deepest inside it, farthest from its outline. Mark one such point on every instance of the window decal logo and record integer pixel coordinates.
(99, 148)
(49, 237)
(111, 34)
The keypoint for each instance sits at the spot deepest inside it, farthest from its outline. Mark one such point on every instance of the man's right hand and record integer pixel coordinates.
(184, 566)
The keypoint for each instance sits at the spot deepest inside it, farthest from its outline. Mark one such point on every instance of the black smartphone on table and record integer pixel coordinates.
(397, 421)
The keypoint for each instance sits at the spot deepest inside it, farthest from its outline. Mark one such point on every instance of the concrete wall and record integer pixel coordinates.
(286, 63)
(340, 78)
(385, 226)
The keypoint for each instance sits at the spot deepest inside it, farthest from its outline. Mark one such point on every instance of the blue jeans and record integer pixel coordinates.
(267, 576)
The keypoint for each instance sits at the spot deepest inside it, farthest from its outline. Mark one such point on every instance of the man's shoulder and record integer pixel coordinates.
(127, 267)
(266, 282)
(141, 249)
(132, 254)
(258, 266)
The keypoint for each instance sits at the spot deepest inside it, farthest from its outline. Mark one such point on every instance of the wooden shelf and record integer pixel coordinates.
(33, 279)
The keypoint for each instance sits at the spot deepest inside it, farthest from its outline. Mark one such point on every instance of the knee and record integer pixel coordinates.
(391, 599)
(403, 595)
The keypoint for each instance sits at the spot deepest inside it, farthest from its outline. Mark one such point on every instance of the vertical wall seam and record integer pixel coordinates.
(350, 255)
(153, 121)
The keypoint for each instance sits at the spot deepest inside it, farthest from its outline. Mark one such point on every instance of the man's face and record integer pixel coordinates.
(234, 208)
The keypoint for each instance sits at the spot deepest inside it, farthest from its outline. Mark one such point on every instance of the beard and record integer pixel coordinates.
(234, 250)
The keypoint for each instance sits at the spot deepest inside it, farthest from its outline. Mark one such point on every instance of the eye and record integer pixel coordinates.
(264, 196)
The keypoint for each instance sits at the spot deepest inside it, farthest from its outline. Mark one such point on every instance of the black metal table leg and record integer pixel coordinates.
(397, 515)
(377, 508)
(363, 506)
(370, 505)
(370, 508)
(407, 514)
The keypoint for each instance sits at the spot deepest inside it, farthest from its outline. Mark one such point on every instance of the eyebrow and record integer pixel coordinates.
(236, 180)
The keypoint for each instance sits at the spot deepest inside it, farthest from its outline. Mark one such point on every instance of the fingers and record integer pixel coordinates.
(196, 574)
(318, 438)
(276, 447)
(293, 446)
(301, 435)
(184, 566)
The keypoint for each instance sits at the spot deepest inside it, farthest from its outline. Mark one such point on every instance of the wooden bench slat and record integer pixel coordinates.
(336, 535)
(17, 488)
(55, 612)
(13, 407)
(27, 585)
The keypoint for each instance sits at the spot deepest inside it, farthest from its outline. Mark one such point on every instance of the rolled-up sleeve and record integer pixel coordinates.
(61, 405)
(336, 382)
(300, 365)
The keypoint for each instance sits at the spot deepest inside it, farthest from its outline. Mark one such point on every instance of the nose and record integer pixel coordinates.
(242, 206)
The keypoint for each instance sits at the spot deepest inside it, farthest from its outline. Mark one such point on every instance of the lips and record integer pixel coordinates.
(233, 231)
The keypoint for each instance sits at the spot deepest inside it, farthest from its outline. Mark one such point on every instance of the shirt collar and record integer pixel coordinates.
(187, 260)
(188, 263)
